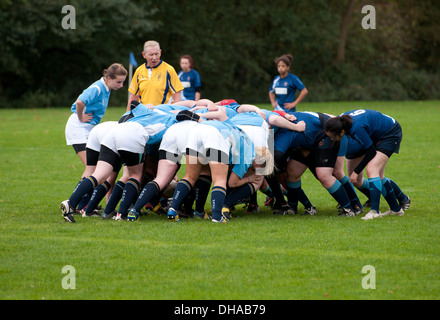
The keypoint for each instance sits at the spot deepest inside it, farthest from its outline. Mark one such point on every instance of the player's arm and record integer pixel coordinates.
(83, 117)
(280, 122)
(273, 101)
(177, 97)
(303, 93)
(131, 98)
(235, 181)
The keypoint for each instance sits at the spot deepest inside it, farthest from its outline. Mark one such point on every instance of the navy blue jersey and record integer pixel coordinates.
(287, 139)
(369, 126)
(285, 89)
(191, 83)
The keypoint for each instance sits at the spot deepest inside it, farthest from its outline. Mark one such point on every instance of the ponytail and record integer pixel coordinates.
(116, 69)
(335, 125)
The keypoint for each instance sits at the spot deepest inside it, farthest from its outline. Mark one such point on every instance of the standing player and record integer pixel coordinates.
(284, 87)
(154, 82)
(90, 107)
(380, 136)
(190, 79)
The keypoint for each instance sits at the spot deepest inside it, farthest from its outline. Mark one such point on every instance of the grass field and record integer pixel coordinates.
(255, 257)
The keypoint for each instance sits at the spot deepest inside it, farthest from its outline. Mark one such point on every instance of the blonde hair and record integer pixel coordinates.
(151, 43)
(265, 161)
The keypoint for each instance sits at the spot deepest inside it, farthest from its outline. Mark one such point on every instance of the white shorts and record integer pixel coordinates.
(258, 135)
(77, 132)
(204, 137)
(176, 137)
(98, 133)
(127, 136)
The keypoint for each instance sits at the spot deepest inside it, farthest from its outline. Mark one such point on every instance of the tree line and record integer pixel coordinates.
(234, 44)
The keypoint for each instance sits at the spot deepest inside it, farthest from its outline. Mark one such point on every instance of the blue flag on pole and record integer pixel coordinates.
(132, 60)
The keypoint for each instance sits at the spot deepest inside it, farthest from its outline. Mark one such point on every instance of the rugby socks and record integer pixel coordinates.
(129, 195)
(365, 188)
(338, 192)
(183, 188)
(401, 197)
(218, 196)
(86, 186)
(293, 193)
(388, 194)
(304, 199)
(237, 194)
(375, 192)
(114, 198)
(275, 186)
(84, 200)
(98, 194)
(351, 193)
(268, 192)
(202, 187)
(148, 193)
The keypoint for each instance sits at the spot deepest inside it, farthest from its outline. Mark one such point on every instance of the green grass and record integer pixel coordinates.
(260, 256)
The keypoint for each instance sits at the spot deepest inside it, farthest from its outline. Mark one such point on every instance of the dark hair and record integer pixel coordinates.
(286, 58)
(335, 125)
(190, 59)
(116, 69)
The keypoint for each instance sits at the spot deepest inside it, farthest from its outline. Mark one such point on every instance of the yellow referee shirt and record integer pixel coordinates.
(155, 85)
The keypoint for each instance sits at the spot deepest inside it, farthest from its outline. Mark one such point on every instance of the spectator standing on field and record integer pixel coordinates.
(284, 87)
(190, 79)
(154, 82)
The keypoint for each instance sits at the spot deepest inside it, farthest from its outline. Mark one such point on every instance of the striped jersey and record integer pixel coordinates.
(155, 85)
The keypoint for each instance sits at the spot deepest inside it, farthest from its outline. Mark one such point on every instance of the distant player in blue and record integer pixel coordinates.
(190, 79)
(380, 136)
(282, 93)
(90, 106)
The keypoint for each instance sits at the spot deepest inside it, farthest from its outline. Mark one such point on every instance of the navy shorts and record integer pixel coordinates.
(390, 142)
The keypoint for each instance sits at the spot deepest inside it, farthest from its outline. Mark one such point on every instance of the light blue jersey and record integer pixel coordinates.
(95, 98)
(229, 112)
(248, 118)
(241, 153)
(156, 122)
(170, 107)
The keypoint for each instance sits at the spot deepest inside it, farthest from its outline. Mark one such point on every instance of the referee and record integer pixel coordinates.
(154, 82)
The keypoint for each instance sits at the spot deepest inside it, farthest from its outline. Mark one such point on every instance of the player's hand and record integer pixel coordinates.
(301, 126)
(353, 177)
(289, 106)
(255, 179)
(86, 117)
(290, 117)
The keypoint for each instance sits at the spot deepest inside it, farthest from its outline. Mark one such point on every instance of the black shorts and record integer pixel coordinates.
(110, 157)
(390, 142)
(92, 157)
(79, 147)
